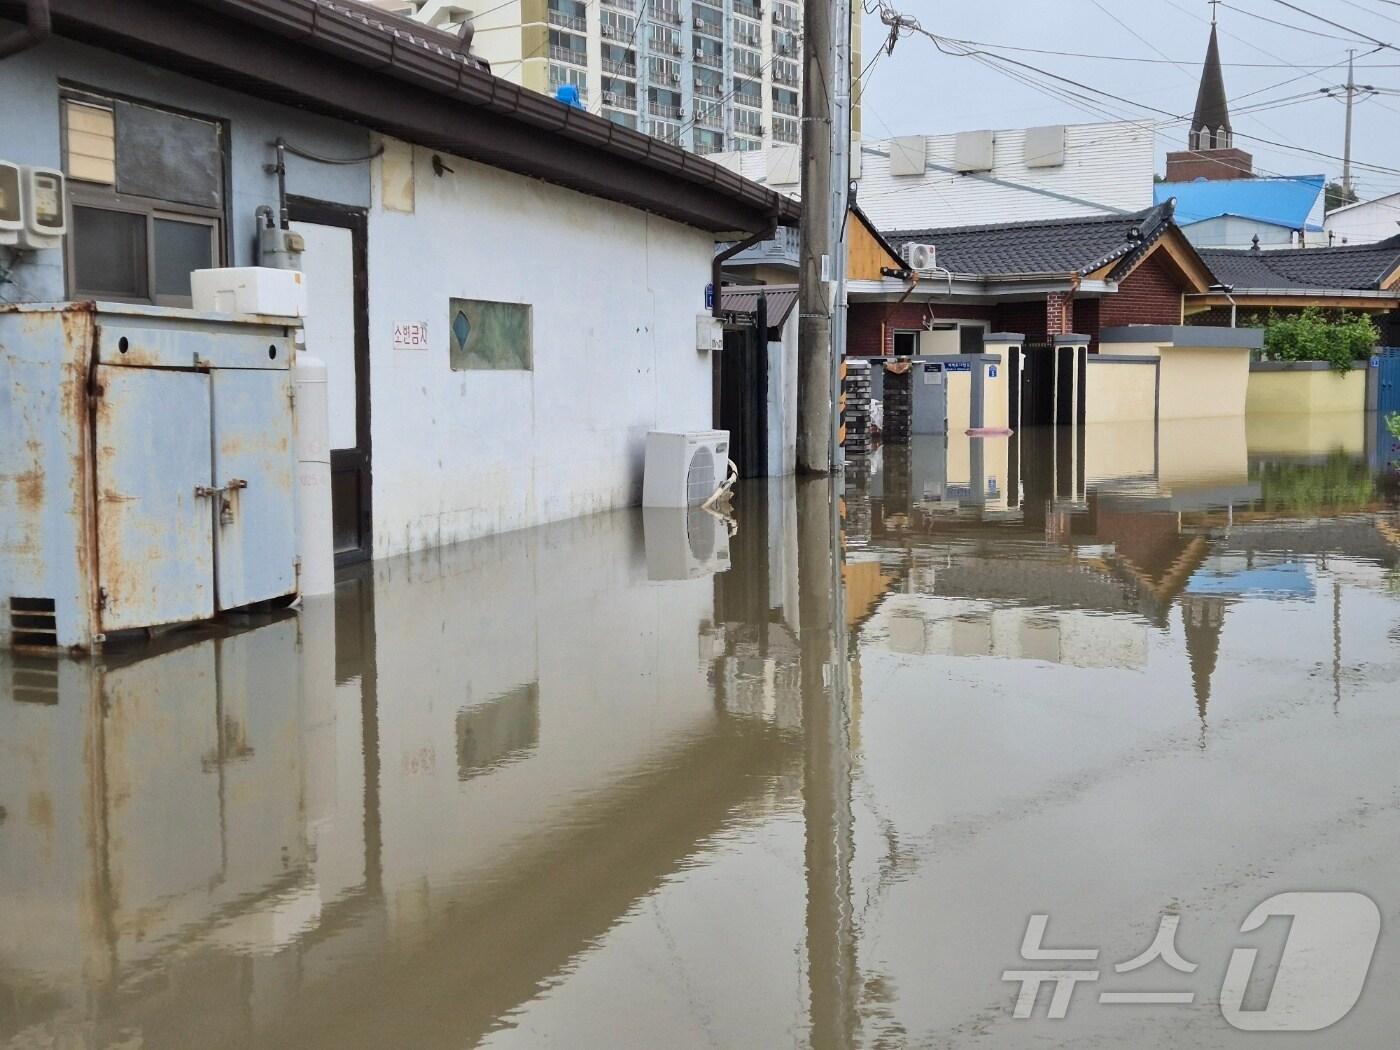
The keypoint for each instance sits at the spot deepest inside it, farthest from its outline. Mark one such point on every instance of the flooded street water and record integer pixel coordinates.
(629, 781)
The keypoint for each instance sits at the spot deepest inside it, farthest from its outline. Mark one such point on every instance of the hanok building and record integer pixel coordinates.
(1042, 279)
(1361, 277)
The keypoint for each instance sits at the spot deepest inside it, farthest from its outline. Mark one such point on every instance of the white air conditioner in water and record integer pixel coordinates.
(684, 469)
(920, 256)
(684, 544)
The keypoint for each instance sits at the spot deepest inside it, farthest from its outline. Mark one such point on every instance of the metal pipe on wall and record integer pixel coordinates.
(37, 28)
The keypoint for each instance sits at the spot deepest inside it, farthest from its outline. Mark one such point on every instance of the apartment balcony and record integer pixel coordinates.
(667, 13)
(619, 100)
(664, 47)
(784, 135)
(709, 91)
(783, 248)
(788, 108)
(621, 69)
(563, 21)
(784, 78)
(710, 116)
(661, 109)
(621, 5)
(704, 58)
(748, 69)
(756, 101)
(747, 10)
(568, 54)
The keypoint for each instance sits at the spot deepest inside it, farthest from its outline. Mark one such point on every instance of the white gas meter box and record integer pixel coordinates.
(41, 192)
(709, 333)
(249, 290)
(683, 469)
(11, 212)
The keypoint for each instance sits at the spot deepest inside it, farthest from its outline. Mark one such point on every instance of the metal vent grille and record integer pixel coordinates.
(32, 622)
(700, 478)
(34, 679)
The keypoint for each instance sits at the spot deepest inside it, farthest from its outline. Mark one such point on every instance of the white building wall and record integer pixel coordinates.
(615, 293)
(1364, 223)
(1107, 167)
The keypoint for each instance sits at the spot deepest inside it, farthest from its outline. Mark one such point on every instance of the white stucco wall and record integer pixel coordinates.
(615, 293)
(1364, 223)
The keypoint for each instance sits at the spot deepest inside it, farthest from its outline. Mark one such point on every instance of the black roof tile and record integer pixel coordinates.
(1058, 247)
(1352, 266)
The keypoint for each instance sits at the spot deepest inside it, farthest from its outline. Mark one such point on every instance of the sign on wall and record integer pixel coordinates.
(410, 335)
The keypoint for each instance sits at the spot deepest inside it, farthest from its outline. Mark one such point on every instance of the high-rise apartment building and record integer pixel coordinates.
(708, 75)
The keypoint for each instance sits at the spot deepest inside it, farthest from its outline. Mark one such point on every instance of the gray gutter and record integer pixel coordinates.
(1350, 293)
(314, 55)
(36, 29)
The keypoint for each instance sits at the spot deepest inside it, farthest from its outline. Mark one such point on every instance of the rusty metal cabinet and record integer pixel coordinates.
(150, 466)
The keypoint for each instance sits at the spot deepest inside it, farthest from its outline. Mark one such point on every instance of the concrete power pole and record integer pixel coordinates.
(814, 358)
(1346, 149)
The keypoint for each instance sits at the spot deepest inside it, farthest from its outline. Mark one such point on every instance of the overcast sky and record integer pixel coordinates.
(919, 90)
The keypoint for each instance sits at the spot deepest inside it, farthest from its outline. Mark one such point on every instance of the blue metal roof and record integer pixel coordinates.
(1283, 202)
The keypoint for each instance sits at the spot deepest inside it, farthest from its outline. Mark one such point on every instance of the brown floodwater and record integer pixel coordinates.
(633, 781)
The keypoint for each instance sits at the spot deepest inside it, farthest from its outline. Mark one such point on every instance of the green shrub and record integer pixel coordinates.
(1392, 423)
(1313, 335)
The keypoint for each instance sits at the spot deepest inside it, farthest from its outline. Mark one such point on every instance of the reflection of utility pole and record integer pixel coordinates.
(826, 780)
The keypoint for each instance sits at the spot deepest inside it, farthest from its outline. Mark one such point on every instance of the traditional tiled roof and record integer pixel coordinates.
(1052, 247)
(1359, 267)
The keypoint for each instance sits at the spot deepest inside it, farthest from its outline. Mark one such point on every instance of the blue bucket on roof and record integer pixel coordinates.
(568, 94)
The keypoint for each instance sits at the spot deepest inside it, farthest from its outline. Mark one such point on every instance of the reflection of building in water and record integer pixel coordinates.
(319, 832)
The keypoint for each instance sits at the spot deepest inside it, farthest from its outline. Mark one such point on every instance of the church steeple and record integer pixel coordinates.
(1210, 127)
(1210, 151)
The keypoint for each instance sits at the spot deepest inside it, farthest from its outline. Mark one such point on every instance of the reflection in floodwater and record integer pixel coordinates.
(633, 780)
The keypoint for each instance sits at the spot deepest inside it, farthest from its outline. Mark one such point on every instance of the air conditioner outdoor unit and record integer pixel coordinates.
(610, 97)
(920, 256)
(699, 81)
(683, 469)
(684, 544)
(699, 23)
(609, 31)
(699, 52)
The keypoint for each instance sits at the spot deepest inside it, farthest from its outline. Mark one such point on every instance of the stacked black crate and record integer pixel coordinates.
(898, 403)
(856, 416)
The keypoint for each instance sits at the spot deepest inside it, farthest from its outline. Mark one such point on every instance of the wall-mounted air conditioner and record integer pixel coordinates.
(699, 52)
(683, 469)
(610, 98)
(699, 23)
(920, 257)
(609, 31)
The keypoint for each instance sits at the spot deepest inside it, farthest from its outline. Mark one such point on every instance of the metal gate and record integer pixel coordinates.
(742, 386)
(1388, 389)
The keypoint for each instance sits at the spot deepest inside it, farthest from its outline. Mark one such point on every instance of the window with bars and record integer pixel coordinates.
(707, 141)
(614, 25)
(146, 199)
(664, 70)
(786, 129)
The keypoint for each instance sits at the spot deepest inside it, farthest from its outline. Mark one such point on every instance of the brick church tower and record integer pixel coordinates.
(1210, 147)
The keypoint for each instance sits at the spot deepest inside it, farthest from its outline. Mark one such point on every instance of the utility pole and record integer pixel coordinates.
(814, 357)
(1346, 149)
(840, 205)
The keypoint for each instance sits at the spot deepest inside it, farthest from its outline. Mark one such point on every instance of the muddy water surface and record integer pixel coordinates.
(632, 781)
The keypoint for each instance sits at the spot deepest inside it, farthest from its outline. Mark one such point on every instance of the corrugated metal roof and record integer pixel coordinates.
(744, 300)
(1283, 202)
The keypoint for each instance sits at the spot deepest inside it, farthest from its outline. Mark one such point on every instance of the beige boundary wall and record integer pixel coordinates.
(1281, 387)
(1120, 388)
(1204, 370)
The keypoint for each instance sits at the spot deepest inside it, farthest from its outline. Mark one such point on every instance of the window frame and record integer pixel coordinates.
(100, 196)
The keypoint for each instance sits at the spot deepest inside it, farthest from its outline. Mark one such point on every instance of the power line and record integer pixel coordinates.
(1346, 29)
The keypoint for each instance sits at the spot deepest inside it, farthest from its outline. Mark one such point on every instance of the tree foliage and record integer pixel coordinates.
(1336, 195)
(1316, 335)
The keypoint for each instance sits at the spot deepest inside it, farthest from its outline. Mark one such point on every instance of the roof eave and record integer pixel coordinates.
(308, 55)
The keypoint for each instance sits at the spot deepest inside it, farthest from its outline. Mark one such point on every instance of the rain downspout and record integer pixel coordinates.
(1227, 289)
(37, 28)
(717, 265)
